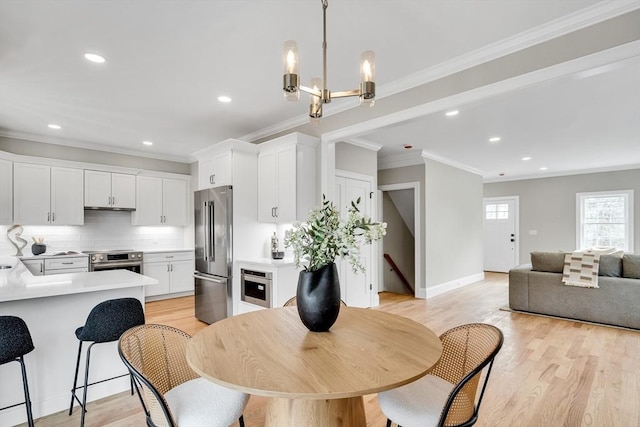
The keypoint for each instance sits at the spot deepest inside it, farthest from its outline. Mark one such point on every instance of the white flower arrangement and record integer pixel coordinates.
(324, 237)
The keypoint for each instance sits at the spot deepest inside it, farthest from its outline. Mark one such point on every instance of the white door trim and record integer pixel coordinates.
(516, 199)
(420, 292)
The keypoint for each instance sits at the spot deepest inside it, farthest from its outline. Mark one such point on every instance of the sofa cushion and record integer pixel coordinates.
(610, 265)
(631, 266)
(551, 262)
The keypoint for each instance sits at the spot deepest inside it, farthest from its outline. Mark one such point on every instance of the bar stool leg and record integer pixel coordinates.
(75, 379)
(27, 398)
(86, 386)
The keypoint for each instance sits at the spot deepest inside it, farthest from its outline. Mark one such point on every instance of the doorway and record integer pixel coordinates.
(400, 259)
(501, 240)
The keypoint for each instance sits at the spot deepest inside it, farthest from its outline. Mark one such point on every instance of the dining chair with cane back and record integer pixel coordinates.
(447, 395)
(174, 395)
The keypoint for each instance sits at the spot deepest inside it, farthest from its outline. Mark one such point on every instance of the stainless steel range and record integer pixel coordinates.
(115, 260)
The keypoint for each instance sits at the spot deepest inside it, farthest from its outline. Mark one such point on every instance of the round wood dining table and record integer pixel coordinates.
(314, 378)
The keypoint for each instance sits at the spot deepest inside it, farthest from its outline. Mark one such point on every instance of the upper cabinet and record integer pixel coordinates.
(109, 190)
(47, 195)
(6, 192)
(287, 178)
(161, 201)
(216, 170)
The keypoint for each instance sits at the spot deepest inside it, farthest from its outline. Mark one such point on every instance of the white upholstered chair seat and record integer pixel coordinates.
(405, 405)
(200, 403)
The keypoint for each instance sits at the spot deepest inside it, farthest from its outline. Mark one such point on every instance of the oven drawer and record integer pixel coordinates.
(76, 263)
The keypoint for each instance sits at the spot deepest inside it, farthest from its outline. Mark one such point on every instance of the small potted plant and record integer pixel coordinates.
(316, 245)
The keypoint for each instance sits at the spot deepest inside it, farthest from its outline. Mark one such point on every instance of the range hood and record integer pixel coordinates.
(107, 208)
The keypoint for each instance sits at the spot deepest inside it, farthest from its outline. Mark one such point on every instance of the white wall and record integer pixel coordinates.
(548, 206)
(453, 234)
(101, 230)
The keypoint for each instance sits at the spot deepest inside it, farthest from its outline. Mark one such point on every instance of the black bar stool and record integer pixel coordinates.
(15, 342)
(105, 323)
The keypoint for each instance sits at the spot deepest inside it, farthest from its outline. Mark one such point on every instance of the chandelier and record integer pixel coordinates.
(318, 90)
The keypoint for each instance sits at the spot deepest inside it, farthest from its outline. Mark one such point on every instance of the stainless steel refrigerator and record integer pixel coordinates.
(214, 253)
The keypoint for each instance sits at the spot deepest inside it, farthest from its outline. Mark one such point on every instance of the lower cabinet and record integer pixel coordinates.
(173, 270)
(57, 265)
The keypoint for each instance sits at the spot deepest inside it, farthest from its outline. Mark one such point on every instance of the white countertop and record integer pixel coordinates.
(268, 262)
(17, 283)
(159, 251)
(52, 255)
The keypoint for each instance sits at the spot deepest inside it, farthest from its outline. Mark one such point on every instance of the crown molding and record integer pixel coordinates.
(93, 147)
(493, 180)
(363, 143)
(426, 155)
(411, 158)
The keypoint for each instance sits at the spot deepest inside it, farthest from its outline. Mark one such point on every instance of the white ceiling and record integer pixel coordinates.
(167, 61)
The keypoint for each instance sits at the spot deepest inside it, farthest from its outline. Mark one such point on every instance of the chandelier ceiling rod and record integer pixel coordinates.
(318, 91)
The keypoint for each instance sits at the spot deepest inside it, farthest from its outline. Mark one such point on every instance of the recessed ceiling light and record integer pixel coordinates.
(223, 98)
(494, 139)
(407, 146)
(54, 126)
(452, 113)
(147, 142)
(544, 168)
(93, 57)
(526, 158)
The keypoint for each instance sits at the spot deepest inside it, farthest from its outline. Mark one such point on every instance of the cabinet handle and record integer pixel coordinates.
(211, 179)
(171, 267)
(160, 219)
(273, 212)
(113, 200)
(167, 268)
(276, 208)
(53, 217)
(48, 216)
(41, 267)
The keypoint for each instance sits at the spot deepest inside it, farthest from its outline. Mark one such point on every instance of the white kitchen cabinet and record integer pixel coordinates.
(35, 266)
(161, 201)
(286, 179)
(6, 192)
(64, 265)
(109, 190)
(216, 170)
(47, 195)
(284, 282)
(173, 270)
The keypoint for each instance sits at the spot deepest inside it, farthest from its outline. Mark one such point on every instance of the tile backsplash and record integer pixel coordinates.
(101, 230)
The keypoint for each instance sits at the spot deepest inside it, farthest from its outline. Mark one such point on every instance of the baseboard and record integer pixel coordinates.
(453, 284)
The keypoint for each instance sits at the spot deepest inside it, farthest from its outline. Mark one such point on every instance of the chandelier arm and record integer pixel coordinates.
(346, 93)
(310, 91)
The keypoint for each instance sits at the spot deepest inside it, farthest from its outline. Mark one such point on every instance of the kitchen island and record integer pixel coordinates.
(53, 307)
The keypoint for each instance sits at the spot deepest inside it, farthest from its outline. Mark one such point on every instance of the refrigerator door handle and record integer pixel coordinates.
(212, 230)
(210, 279)
(205, 222)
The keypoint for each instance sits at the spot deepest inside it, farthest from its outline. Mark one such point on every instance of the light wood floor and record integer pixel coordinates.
(550, 372)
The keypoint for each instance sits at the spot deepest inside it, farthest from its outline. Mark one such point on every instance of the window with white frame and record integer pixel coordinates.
(605, 219)
(496, 211)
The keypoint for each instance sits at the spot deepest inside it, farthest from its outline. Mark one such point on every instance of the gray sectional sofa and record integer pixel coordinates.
(538, 288)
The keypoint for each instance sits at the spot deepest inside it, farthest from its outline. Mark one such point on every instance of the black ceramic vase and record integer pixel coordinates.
(38, 248)
(318, 298)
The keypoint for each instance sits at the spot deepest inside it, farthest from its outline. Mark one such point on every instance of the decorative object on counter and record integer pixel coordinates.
(18, 232)
(38, 246)
(275, 253)
(316, 245)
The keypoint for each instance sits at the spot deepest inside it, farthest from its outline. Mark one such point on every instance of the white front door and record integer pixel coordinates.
(356, 288)
(500, 239)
